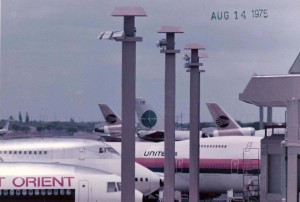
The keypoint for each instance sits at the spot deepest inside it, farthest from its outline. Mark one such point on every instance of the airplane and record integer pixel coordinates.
(113, 122)
(226, 162)
(151, 124)
(225, 124)
(79, 152)
(24, 182)
(5, 129)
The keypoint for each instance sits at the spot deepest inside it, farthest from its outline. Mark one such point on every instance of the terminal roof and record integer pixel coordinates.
(190, 46)
(129, 11)
(170, 29)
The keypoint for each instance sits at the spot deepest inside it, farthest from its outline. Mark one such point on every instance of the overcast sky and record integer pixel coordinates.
(54, 68)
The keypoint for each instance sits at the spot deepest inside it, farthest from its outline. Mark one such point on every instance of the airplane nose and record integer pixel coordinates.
(161, 183)
(155, 182)
(138, 196)
(146, 181)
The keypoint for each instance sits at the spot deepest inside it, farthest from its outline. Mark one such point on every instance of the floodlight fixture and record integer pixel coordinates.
(186, 57)
(112, 35)
(162, 43)
(118, 35)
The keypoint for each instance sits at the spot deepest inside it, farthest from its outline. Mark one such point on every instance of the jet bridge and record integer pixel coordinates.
(279, 91)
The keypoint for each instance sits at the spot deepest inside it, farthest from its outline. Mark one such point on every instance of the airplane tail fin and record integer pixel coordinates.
(109, 115)
(222, 120)
(295, 69)
(147, 116)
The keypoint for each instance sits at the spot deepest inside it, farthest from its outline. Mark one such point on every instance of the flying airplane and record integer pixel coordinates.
(5, 129)
(227, 126)
(151, 124)
(78, 152)
(113, 122)
(24, 182)
(225, 162)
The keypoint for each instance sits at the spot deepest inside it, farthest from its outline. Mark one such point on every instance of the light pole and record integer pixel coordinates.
(128, 39)
(168, 48)
(193, 67)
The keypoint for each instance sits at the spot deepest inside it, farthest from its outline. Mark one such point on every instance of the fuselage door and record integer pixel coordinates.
(82, 154)
(179, 165)
(234, 166)
(83, 194)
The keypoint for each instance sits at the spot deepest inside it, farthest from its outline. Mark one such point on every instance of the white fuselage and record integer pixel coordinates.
(21, 182)
(222, 162)
(79, 152)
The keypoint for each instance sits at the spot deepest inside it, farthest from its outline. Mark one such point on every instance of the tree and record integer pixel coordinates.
(20, 117)
(27, 118)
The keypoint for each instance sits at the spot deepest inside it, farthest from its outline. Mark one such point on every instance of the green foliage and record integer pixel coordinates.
(20, 117)
(27, 118)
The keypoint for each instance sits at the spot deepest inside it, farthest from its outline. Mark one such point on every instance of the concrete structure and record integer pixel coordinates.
(193, 66)
(128, 39)
(273, 169)
(168, 48)
(280, 91)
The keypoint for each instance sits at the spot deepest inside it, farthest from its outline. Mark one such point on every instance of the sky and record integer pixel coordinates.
(54, 68)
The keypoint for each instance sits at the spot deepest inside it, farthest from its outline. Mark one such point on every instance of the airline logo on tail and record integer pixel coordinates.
(222, 121)
(111, 118)
(149, 119)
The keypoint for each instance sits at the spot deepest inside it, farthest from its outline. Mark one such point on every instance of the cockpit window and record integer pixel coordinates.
(109, 152)
(113, 186)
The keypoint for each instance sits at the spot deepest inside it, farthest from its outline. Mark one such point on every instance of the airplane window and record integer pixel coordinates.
(62, 192)
(37, 192)
(30, 192)
(146, 179)
(119, 186)
(35, 152)
(141, 179)
(20, 152)
(43, 192)
(49, 192)
(10, 152)
(25, 152)
(45, 152)
(136, 179)
(29, 152)
(40, 152)
(5, 192)
(11, 192)
(18, 192)
(55, 192)
(15, 152)
(111, 187)
(68, 192)
(24, 192)
(5, 152)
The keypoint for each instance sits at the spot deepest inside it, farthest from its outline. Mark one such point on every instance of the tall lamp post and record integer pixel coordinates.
(168, 48)
(128, 39)
(193, 67)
